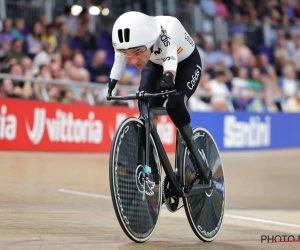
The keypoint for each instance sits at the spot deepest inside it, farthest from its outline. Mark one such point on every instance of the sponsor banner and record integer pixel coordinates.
(40, 126)
(249, 131)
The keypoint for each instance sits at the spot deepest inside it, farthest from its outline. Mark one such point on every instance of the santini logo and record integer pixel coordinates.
(252, 133)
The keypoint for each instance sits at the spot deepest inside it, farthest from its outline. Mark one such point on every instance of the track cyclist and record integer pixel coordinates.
(168, 58)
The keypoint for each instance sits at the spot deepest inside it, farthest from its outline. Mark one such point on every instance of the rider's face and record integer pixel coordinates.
(138, 57)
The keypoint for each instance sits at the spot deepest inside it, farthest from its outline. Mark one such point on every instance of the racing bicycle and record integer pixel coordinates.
(137, 186)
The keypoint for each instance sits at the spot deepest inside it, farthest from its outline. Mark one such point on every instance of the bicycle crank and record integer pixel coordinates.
(170, 199)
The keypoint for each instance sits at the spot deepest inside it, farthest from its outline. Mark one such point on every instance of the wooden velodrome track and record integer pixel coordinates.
(62, 201)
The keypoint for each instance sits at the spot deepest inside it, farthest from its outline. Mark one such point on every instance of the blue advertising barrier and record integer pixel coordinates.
(249, 131)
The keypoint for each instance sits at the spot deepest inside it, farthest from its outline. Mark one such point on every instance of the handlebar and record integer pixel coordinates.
(139, 95)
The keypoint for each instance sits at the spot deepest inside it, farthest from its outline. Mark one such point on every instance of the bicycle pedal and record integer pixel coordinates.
(213, 183)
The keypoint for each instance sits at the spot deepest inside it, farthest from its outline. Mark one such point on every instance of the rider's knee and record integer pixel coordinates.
(176, 107)
(174, 101)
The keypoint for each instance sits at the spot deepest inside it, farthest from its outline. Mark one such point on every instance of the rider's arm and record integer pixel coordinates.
(170, 60)
(117, 71)
(118, 68)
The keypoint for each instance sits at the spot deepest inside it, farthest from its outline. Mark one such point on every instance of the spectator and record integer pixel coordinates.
(208, 7)
(292, 104)
(296, 27)
(263, 63)
(68, 68)
(99, 71)
(254, 81)
(288, 83)
(219, 92)
(69, 20)
(7, 89)
(21, 89)
(296, 56)
(67, 96)
(26, 63)
(240, 52)
(221, 9)
(237, 27)
(16, 51)
(92, 18)
(4, 49)
(80, 74)
(79, 63)
(18, 30)
(41, 58)
(57, 23)
(5, 34)
(236, 7)
(64, 42)
(240, 87)
(207, 55)
(33, 39)
(49, 37)
(223, 54)
(84, 36)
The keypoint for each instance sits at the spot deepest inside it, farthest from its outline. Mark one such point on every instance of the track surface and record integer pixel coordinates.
(62, 201)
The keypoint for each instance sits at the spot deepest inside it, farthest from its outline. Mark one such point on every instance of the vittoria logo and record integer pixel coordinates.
(164, 37)
(64, 127)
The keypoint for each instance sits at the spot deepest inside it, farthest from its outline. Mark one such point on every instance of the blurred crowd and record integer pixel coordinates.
(253, 66)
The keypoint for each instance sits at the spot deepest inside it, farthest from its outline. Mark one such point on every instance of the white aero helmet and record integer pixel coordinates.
(135, 29)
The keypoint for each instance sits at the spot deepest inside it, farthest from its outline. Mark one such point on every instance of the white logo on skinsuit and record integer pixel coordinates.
(195, 78)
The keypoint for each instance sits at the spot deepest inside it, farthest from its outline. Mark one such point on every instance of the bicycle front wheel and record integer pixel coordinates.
(136, 200)
(205, 211)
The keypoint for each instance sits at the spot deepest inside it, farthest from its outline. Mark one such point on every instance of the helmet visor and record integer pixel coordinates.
(131, 52)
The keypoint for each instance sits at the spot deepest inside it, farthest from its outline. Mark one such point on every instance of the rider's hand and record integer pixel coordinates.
(165, 82)
(111, 85)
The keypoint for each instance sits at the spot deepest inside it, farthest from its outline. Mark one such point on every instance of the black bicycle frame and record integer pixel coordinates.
(148, 115)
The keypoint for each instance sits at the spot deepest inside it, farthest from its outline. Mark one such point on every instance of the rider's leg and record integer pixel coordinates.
(149, 76)
(187, 79)
(181, 118)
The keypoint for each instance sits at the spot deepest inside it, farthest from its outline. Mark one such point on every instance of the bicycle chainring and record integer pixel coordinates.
(170, 199)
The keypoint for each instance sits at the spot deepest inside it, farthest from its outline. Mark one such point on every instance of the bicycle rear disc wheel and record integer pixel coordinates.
(205, 211)
(137, 203)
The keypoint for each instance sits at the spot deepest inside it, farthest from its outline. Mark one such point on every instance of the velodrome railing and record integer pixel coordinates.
(91, 86)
